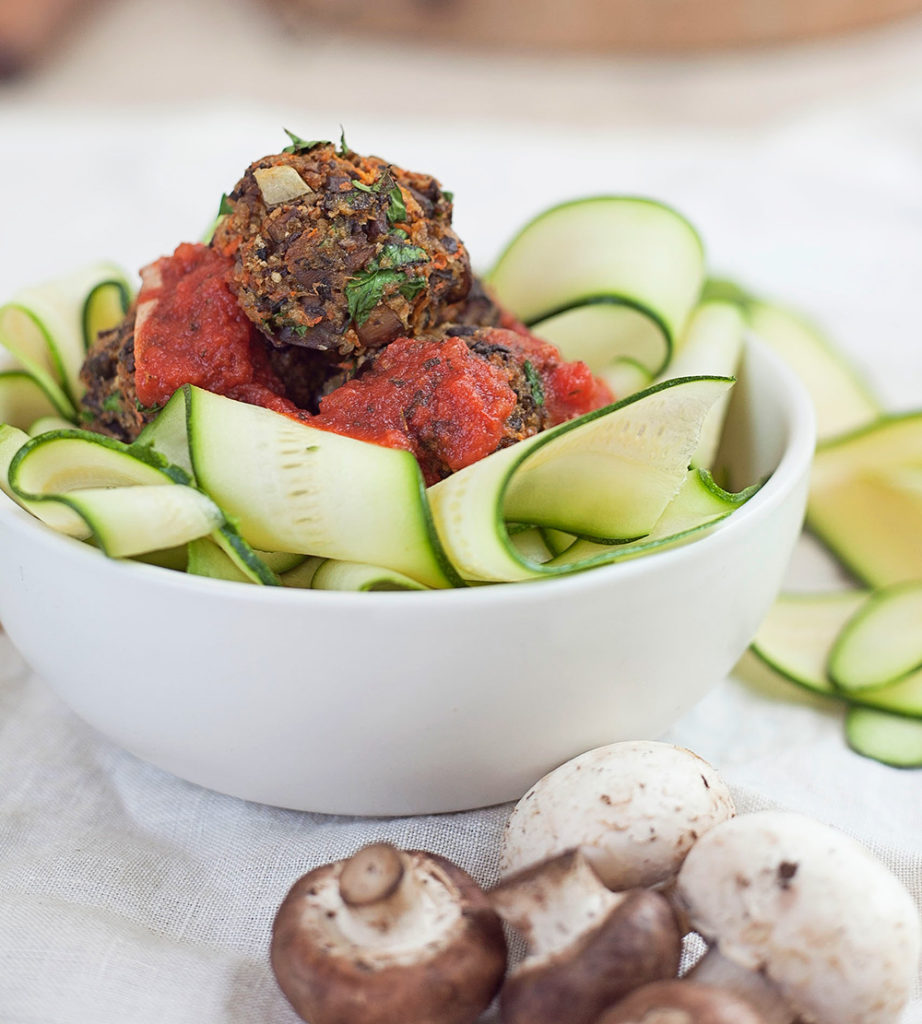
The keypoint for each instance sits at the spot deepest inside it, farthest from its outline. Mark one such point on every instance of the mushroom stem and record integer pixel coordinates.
(752, 985)
(371, 876)
(552, 904)
(383, 902)
(587, 946)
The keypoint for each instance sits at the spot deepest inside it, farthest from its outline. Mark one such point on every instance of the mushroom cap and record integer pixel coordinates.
(681, 1002)
(637, 940)
(811, 909)
(434, 950)
(634, 807)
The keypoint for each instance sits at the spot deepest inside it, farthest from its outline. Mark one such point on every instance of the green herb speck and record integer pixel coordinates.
(299, 145)
(397, 210)
(534, 382)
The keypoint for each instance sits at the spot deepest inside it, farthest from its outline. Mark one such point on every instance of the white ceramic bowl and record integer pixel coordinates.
(393, 703)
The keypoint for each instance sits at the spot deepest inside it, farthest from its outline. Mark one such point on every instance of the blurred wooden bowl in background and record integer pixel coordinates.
(625, 25)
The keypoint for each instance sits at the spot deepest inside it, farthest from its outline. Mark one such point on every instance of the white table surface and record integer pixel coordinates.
(129, 896)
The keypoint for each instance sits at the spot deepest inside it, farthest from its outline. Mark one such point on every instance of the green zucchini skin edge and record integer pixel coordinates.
(602, 197)
(125, 296)
(841, 556)
(859, 719)
(549, 435)
(615, 300)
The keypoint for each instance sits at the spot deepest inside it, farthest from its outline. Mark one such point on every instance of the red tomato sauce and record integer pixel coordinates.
(432, 397)
(570, 389)
(191, 331)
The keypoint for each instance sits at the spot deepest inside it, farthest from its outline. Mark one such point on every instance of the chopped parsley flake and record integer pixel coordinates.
(450, 196)
(411, 288)
(113, 402)
(299, 145)
(534, 382)
(397, 211)
(225, 206)
(343, 145)
(366, 290)
(396, 255)
(385, 274)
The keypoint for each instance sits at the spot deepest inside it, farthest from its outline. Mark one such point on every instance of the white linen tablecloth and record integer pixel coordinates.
(128, 896)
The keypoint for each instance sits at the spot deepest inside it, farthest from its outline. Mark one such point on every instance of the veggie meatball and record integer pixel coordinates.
(110, 405)
(340, 252)
(455, 399)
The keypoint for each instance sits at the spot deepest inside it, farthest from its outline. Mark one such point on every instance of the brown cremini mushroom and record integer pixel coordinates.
(388, 937)
(587, 946)
(681, 1002)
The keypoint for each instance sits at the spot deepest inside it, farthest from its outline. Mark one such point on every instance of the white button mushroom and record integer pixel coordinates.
(635, 808)
(803, 920)
(587, 946)
(388, 937)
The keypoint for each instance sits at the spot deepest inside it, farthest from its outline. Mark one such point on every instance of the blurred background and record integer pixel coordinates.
(790, 131)
(594, 62)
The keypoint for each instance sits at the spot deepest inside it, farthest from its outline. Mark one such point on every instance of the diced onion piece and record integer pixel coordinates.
(280, 184)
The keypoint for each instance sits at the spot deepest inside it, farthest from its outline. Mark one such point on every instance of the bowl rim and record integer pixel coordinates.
(797, 453)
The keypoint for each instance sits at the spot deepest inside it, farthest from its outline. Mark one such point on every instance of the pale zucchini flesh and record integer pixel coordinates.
(104, 307)
(608, 475)
(23, 400)
(865, 500)
(699, 505)
(841, 399)
(291, 487)
(890, 739)
(882, 642)
(206, 558)
(45, 326)
(601, 333)
(797, 635)
(84, 485)
(127, 521)
(612, 248)
(333, 574)
(712, 343)
(796, 639)
(625, 377)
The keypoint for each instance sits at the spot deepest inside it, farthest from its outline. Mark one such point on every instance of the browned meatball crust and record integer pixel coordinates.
(340, 252)
(110, 404)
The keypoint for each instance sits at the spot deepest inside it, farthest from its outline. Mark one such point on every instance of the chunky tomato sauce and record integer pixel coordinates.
(570, 389)
(190, 330)
(432, 397)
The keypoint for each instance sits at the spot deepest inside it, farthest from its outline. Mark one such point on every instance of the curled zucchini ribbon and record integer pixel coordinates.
(608, 280)
(46, 331)
(238, 492)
